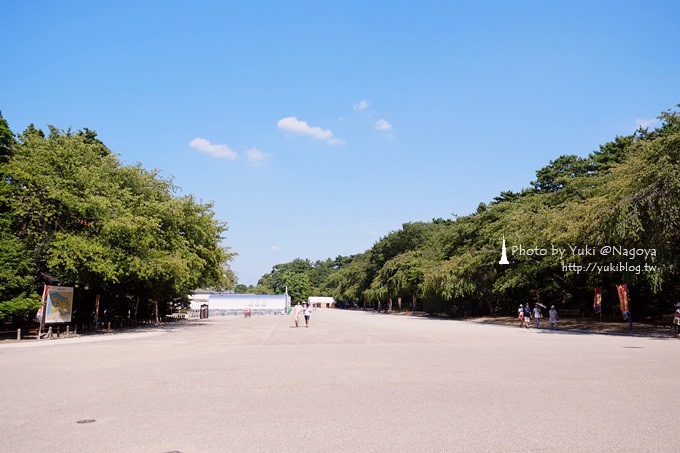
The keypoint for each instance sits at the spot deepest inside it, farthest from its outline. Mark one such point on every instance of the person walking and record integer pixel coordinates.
(297, 311)
(553, 317)
(520, 315)
(308, 314)
(527, 315)
(537, 315)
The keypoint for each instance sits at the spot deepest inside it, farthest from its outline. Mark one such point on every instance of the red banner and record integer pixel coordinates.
(597, 303)
(623, 297)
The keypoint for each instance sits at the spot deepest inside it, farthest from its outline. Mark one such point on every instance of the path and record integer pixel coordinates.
(355, 381)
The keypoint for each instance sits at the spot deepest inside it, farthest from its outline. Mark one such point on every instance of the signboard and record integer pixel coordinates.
(58, 302)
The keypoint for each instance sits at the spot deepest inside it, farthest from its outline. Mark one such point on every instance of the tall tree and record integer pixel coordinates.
(117, 230)
(18, 299)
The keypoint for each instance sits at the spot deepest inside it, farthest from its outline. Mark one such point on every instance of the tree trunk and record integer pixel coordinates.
(155, 309)
(96, 311)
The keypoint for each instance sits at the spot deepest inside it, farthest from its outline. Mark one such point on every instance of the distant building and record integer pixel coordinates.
(321, 302)
(223, 304)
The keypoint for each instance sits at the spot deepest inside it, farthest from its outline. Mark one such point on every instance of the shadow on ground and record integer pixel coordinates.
(586, 326)
(565, 326)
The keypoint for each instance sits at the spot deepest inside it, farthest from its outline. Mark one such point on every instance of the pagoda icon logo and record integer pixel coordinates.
(504, 256)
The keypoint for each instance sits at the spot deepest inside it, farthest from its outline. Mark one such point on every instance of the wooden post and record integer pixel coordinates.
(68, 330)
(58, 331)
(18, 334)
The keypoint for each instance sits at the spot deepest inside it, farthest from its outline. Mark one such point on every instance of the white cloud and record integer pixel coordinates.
(219, 151)
(296, 126)
(361, 105)
(275, 248)
(257, 157)
(383, 125)
(647, 123)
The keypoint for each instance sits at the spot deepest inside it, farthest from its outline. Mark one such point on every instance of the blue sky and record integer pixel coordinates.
(316, 128)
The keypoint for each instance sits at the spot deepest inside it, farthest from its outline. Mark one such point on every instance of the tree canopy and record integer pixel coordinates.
(625, 194)
(72, 214)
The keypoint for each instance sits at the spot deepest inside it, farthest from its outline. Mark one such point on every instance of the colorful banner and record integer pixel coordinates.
(597, 303)
(623, 298)
(58, 304)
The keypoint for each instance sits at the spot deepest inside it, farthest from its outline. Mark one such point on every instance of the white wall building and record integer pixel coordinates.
(223, 304)
(321, 302)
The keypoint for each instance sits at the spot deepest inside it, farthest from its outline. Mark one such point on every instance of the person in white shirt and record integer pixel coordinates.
(297, 311)
(308, 313)
(553, 317)
(520, 316)
(537, 315)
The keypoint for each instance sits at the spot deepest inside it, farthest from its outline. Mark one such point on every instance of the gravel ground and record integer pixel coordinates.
(354, 381)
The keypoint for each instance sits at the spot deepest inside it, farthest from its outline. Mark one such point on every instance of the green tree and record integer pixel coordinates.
(626, 193)
(400, 278)
(119, 231)
(6, 140)
(18, 298)
(351, 280)
(555, 176)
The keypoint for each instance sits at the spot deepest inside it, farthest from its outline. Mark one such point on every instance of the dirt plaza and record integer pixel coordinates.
(354, 381)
